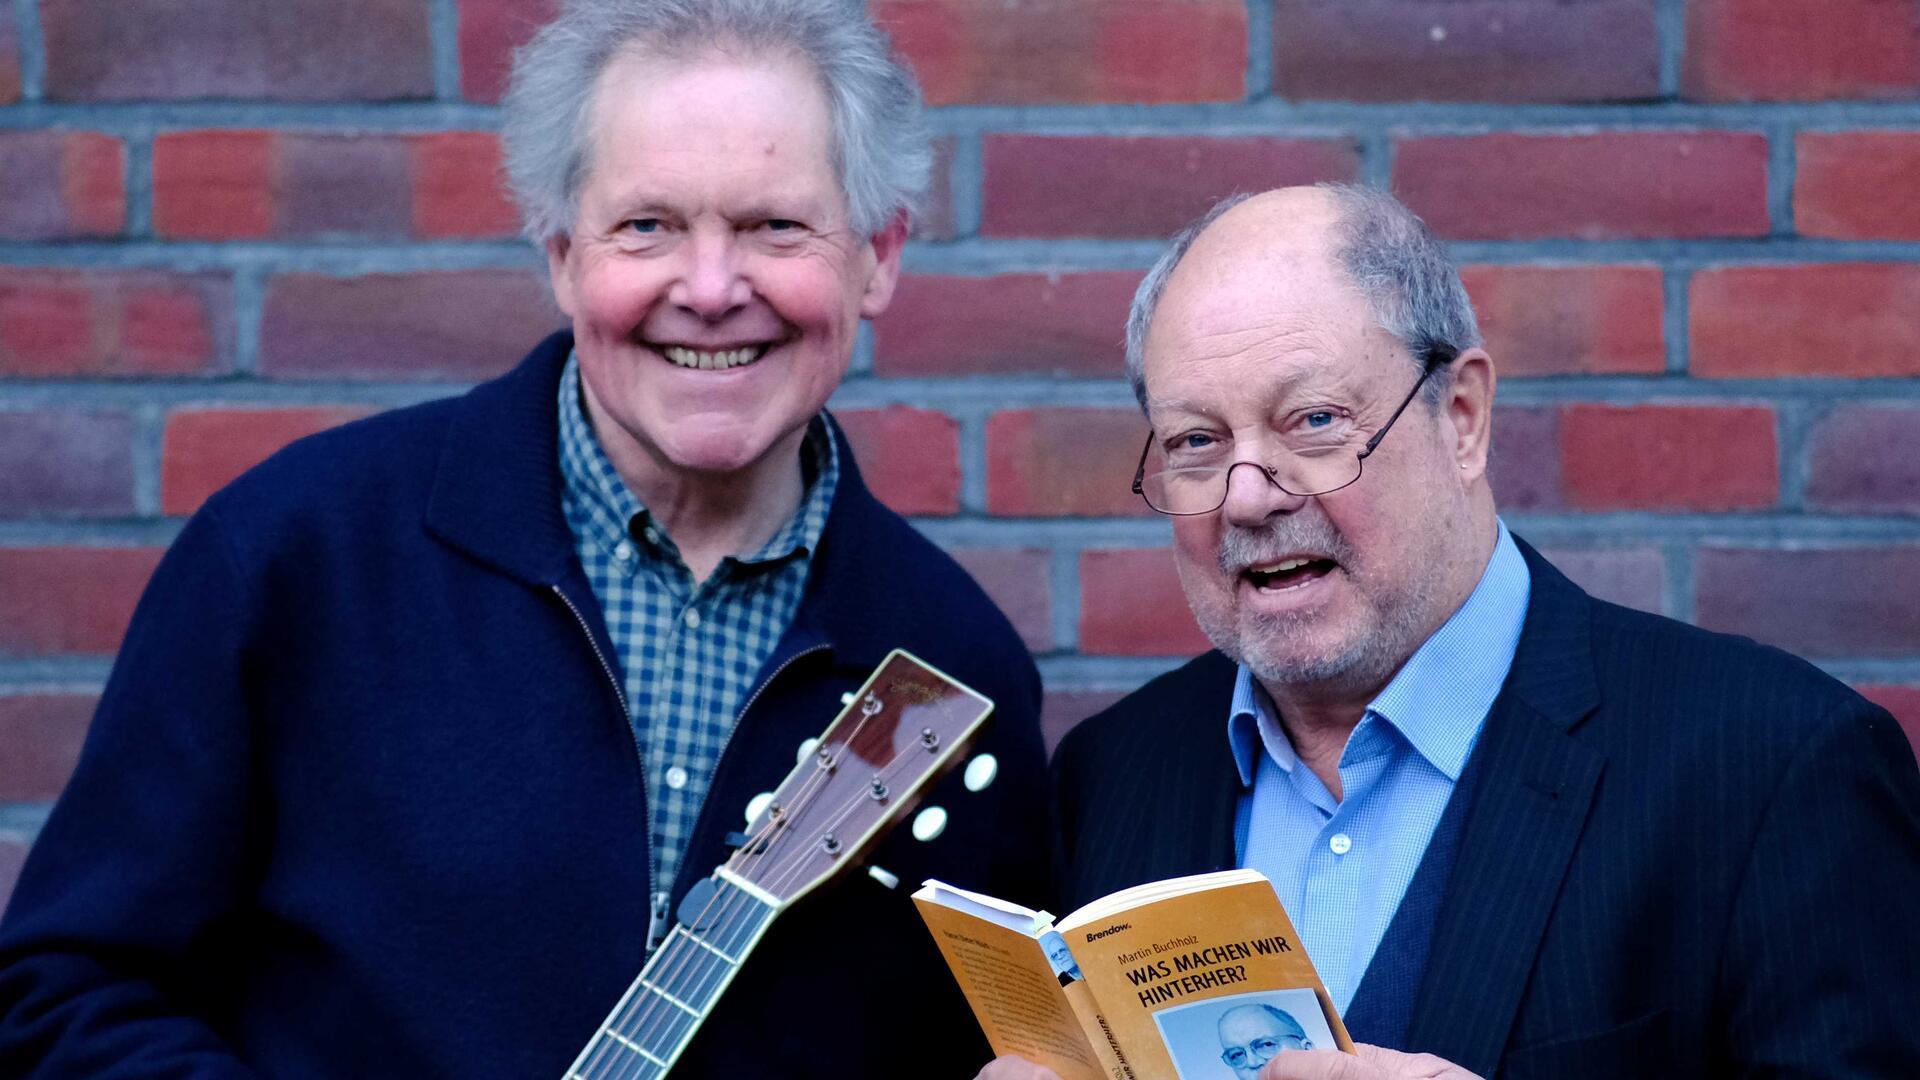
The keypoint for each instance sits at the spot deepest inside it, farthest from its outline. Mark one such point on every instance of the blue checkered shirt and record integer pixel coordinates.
(1341, 867)
(689, 651)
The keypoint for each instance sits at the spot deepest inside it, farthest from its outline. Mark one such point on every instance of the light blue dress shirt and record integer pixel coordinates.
(1341, 867)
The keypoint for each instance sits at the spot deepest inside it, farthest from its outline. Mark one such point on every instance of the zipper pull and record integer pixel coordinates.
(657, 922)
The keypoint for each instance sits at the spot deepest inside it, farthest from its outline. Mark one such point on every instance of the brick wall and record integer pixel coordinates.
(1692, 229)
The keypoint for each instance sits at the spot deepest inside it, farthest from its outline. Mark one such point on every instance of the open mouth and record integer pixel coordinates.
(1288, 573)
(713, 359)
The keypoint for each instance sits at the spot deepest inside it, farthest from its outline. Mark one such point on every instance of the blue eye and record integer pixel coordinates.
(1196, 441)
(1319, 419)
(782, 224)
(643, 225)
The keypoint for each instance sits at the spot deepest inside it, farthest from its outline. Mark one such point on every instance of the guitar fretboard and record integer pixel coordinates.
(643, 1035)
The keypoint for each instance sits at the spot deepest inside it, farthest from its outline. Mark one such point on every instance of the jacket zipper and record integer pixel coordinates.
(656, 900)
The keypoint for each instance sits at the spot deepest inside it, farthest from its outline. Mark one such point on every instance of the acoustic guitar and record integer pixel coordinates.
(906, 726)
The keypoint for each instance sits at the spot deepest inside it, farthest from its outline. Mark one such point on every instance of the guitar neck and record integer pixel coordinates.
(646, 1033)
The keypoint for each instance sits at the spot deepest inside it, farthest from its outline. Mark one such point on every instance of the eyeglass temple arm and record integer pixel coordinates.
(1436, 356)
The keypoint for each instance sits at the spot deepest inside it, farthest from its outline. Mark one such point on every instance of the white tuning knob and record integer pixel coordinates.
(980, 772)
(891, 881)
(928, 824)
(807, 747)
(757, 806)
(847, 698)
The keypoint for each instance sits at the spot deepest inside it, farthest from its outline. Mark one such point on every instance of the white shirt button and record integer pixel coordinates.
(1340, 843)
(653, 535)
(676, 778)
(693, 619)
(623, 551)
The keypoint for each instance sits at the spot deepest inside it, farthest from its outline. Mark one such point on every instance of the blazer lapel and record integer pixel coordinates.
(1534, 784)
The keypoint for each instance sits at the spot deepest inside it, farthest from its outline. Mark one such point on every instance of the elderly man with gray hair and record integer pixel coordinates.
(425, 726)
(1521, 832)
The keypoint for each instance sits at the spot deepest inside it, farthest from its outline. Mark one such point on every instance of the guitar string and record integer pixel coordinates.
(816, 781)
(650, 1008)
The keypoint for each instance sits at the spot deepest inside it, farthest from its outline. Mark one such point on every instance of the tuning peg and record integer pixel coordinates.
(980, 772)
(891, 881)
(928, 824)
(847, 698)
(758, 805)
(807, 747)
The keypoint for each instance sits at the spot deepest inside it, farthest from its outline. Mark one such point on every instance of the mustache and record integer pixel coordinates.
(1241, 547)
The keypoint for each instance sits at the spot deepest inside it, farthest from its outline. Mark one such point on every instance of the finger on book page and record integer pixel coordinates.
(1366, 1063)
(1014, 1067)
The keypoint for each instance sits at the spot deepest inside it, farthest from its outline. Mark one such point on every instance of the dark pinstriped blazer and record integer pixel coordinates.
(1687, 855)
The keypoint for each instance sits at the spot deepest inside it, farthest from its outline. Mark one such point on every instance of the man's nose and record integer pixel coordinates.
(710, 284)
(1253, 497)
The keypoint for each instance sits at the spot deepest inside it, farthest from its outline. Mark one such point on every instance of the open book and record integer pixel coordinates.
(1200, 978)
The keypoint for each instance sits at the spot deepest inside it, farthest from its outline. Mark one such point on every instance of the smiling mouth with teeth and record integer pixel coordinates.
(1288, 573)
(721, 360)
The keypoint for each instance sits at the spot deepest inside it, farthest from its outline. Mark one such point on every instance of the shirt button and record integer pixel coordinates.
(1340, 843)
(676, 778)
(623, 551)
(653, 536)
(693, 620)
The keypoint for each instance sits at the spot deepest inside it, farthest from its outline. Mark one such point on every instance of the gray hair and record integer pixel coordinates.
(1410, 282)
(882, 151)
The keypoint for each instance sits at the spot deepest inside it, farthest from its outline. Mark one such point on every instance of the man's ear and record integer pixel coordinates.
(559, 247)
(886, 266)
(1469, 410)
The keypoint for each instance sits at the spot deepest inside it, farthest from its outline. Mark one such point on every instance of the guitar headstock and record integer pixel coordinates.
(904, 728)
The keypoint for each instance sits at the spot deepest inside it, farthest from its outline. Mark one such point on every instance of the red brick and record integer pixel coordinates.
(341, 185)
(62, 601)
(1570, 320)
(1853, 602)
(459, 190)
(42, 734)
(1064, 462)
(1865, 458)
(1634, 577)
(909, 457)
(489, 32)
(1857, 185)
(66, 463)
(9, 93)
(1744, 50)
(13, 853)
(57, 323)
(1144, 185)
(61, 185)
(1851, 320)
(213, 185)
(1017, 581)
(1479, 50)
(1903, 702)
(1131, 605)
(1669, 457)
(1065, 324)
(1524, 465)
(1061, 51)
(203, 450)
(1602, 186)
(457, 324)
(287, 50)
(1061, 711)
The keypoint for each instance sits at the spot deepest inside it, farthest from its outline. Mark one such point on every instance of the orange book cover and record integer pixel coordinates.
(1195, 977)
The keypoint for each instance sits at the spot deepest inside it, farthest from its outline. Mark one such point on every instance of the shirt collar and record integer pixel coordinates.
(1440, 697)
(615, 514)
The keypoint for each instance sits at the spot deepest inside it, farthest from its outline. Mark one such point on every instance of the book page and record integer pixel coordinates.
(1013, 991)
(1195, 981)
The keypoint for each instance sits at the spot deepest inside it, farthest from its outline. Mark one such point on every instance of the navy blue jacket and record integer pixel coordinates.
(360, 800)
(1685, 855)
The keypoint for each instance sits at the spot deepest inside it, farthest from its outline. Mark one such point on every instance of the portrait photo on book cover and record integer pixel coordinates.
(1230, 1037)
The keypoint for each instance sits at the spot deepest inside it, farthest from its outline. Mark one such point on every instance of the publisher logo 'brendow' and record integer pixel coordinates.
(1096, 935)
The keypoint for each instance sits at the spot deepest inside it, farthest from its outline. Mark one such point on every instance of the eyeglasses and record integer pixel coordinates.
(1261, 1050)
(1318, 465)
